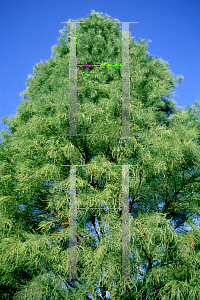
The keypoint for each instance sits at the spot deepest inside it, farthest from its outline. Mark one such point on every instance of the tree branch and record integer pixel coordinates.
(86, 153)
(148, 258)
(77, 146)
(134, 200)
(93, 223)
(177, 191)
(107, 148)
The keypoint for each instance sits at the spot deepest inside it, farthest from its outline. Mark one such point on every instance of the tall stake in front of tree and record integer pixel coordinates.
(163, 158)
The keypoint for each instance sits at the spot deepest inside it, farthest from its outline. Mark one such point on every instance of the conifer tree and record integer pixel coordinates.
(163, 158)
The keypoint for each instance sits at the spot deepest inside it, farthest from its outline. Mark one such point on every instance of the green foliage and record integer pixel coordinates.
(163, 177)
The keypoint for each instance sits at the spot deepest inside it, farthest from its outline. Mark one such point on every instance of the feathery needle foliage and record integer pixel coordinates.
(163, 154)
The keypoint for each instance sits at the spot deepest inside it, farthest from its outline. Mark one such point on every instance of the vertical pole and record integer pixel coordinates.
(125, 222)
(72, 75)
(72, 226)
(125, 80)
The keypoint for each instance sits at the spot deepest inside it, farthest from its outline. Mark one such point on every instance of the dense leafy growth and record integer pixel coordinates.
(163, 177)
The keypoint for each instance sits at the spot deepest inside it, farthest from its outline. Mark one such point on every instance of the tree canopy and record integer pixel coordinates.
(164, 175)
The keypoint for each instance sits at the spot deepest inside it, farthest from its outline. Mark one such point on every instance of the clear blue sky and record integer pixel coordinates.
(28, 30)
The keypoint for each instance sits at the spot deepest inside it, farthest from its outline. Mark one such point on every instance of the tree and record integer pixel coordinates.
(163, 178)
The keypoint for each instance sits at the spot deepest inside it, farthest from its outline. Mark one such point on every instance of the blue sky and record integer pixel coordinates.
(30, 28)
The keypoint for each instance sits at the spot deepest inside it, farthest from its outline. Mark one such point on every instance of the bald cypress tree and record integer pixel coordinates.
(163, 158)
